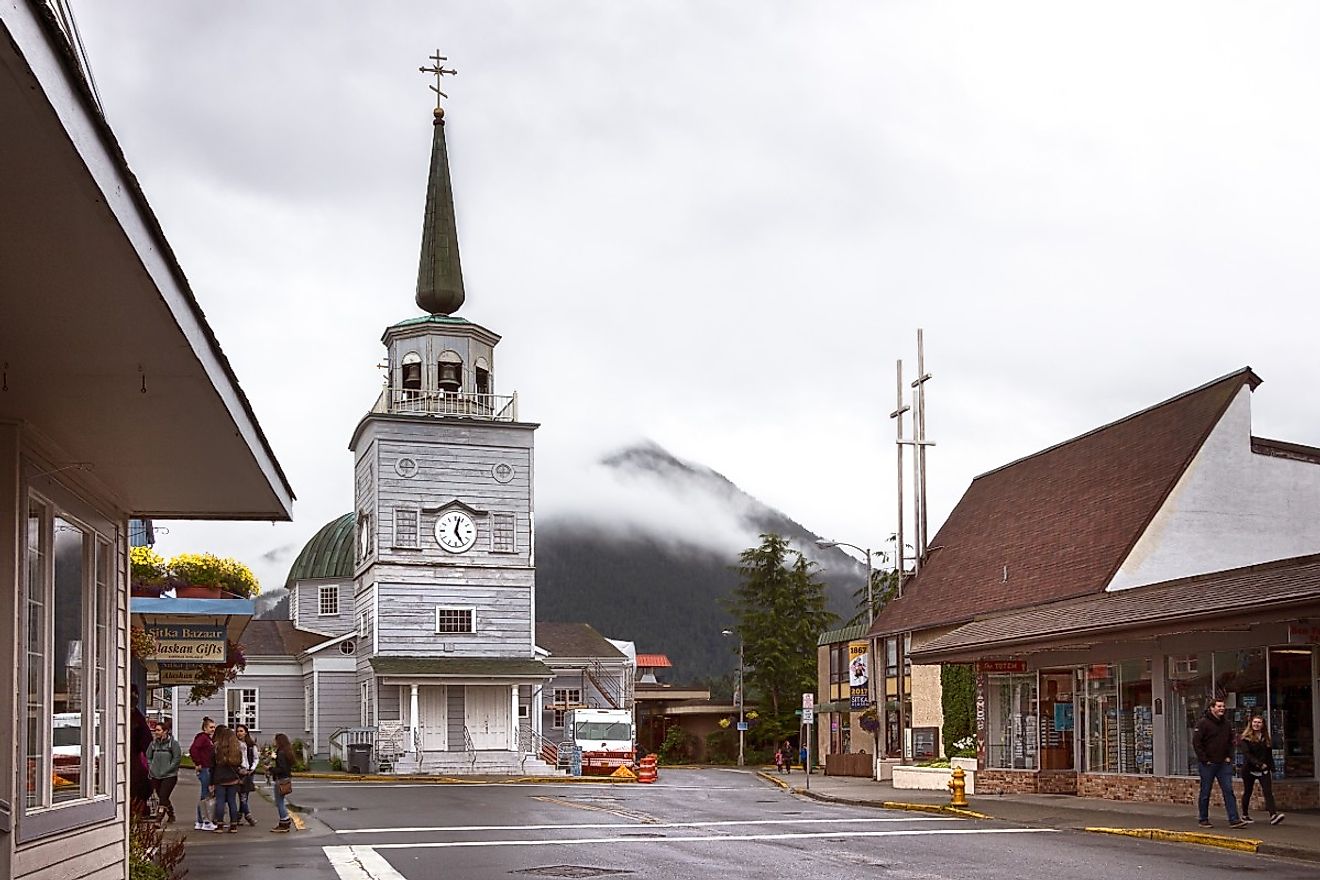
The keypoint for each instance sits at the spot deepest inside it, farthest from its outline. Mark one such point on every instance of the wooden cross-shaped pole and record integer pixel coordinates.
(439, 70)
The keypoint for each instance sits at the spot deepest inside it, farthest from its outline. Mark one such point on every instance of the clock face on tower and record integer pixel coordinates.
(455, 531)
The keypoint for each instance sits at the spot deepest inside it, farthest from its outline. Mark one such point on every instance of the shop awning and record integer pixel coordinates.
(107, 354)
(1276, 589)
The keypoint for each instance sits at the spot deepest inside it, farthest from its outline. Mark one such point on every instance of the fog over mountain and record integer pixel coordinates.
(643, 546)
(655, 564)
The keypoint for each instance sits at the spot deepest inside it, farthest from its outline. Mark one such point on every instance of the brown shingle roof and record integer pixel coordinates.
(1274, 585)
(277, 638)
(1057, 524)
(574, 640)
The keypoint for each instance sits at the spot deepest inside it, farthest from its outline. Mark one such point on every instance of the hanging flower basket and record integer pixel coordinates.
(215, 676)
(870, 720)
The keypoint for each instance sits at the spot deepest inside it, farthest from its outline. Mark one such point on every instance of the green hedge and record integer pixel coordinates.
(958, 698)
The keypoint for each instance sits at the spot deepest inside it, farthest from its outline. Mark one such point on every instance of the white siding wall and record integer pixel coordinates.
(1232, 507)
(308, 596)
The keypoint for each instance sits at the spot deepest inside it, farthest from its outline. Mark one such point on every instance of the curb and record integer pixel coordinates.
(881, 805)
(1240, 844)
(462, 780)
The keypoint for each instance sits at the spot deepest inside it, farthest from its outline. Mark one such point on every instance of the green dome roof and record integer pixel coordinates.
(329, 554)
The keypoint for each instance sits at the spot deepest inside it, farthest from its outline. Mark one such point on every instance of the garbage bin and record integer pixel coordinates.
(359, 758)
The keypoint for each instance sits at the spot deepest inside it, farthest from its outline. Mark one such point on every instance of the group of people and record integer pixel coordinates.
(784, 757)
(1215, 744)
(227, 763)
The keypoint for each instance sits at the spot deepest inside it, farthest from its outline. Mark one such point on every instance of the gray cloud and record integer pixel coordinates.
(718, 224)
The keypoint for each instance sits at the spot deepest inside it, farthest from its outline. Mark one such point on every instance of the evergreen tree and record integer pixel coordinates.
(780, 611)
(884, 586)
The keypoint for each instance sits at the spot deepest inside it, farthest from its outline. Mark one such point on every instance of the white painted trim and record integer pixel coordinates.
(316, 710)
(337, 663)
(469, 608)
(334, 641)
(271, 669)
(375, 618)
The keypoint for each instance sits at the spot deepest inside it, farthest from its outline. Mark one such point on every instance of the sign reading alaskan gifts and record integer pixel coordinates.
(187, 642)
(859, 676)
(176, 674)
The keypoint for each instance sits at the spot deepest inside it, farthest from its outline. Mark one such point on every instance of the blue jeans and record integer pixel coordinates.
(279, 802)
(226, 795)
(1223, 773)
(204, 780)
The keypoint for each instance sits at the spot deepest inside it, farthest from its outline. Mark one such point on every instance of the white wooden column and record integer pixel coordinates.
(537, 708)
(513, 719)
(412, 717)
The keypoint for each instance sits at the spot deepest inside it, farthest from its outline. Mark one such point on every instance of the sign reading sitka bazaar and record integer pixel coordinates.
(187, 643)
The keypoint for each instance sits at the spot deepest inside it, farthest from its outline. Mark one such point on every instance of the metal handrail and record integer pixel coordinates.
(455, 404)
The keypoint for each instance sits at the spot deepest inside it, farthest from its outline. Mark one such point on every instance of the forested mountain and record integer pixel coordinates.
(665, 592)
(633, 572)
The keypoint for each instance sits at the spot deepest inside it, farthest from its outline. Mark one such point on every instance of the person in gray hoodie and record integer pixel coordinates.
(163, 756)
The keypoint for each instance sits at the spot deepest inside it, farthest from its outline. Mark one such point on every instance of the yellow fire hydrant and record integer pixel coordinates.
(958, 788)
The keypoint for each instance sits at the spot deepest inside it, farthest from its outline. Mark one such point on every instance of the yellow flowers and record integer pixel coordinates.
(193, 569)
(147, 564)
(209, 569)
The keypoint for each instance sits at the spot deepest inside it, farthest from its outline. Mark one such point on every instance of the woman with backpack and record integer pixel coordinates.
(225, 778)
(1258, 766)
(163, 757)
(281, 772)
(247, 772)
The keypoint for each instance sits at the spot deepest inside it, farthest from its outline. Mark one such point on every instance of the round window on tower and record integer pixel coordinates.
(347, 647)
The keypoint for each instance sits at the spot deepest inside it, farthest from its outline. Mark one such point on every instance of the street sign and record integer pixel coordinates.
(742, 725)
(808, 716)
(808, 701)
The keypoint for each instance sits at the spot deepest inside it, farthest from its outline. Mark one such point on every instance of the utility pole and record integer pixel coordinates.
(897, 415)
(919, 428)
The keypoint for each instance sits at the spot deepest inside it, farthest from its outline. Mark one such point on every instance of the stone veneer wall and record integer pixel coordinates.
(1292, 794)
(1298, 794)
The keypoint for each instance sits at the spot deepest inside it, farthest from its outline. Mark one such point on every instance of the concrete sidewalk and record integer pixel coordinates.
(1298, 836)
(261, 802)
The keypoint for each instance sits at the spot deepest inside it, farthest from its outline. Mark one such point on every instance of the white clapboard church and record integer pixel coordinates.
(412, 617)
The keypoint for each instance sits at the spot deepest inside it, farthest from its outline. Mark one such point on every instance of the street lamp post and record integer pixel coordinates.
(742, 699)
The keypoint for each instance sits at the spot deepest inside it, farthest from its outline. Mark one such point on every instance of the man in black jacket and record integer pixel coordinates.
(1212, 740)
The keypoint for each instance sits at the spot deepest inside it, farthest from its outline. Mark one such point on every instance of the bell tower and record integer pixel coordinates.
(444, 576)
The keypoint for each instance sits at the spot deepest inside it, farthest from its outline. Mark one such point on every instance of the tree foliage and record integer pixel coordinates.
(884, 586)
(780, 609)
(958, 699)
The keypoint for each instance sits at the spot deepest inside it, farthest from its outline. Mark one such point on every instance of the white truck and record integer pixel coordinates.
(605, 736)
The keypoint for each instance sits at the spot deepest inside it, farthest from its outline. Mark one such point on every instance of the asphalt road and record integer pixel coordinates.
(698, 824)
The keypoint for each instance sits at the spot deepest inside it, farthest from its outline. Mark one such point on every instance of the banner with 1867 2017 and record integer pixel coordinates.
(859, 675)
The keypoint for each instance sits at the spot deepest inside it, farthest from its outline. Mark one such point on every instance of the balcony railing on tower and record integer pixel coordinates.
(448, 404)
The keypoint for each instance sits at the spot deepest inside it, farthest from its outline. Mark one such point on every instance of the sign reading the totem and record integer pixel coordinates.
(187, 642)
(1304, 634)
(1001, 666)
(859, 675)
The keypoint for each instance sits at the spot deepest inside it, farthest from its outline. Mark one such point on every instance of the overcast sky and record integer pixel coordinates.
(718, 225)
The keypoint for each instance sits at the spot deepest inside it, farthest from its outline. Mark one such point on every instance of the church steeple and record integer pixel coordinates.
(439, 274)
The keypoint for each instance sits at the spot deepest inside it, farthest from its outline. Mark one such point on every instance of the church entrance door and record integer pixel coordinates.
(433, 720)
(487, 712)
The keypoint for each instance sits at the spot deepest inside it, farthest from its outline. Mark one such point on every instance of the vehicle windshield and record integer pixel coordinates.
(603, 731)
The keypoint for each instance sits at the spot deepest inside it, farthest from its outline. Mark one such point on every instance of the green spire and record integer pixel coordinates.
(439, 275)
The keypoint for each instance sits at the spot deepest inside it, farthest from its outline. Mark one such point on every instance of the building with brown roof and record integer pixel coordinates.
(1110, 586)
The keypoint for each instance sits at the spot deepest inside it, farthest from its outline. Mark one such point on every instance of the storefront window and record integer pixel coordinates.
(1011, 722)
(1240, 680)
(1102, 721)
(1290, 711)
(1136, 732)
(1190, 686)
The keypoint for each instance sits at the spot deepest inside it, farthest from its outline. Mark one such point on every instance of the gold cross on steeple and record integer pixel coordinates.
(439, 70)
